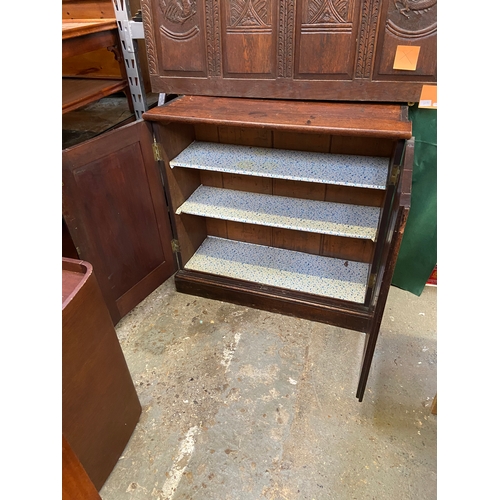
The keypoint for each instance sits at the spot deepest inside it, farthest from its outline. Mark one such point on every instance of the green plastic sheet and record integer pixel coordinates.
(418, 253)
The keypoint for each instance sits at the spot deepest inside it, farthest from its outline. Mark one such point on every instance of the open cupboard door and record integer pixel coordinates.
(115, 208)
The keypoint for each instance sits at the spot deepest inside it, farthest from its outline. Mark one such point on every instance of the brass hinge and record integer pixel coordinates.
(157, 151)
(371, 280)
(394, 175)
(175, 246)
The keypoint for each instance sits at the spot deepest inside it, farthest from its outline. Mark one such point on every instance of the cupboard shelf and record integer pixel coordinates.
(334, 278)
(322, 217)
(324, 168)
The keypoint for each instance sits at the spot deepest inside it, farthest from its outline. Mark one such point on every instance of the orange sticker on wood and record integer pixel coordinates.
(428, 97)
(406, 57)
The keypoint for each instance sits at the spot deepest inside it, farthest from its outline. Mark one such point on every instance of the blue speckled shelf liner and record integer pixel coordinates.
(279, 211)
(288, 269)
(325, 168)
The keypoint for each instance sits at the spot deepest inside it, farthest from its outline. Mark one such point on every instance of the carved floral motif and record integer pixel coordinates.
(367, 35)
(178, 11)
(213, 37)
(249, 13)
(285, 38)
(327, 11)
(149, 37)
(408, 7)
(412, 18)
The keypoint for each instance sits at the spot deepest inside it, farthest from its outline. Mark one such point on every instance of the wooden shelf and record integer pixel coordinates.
(78, 92)
(72, 28)
(279, 211)
(344, 170)
(88, 36)
(286, 269)
(343, 119)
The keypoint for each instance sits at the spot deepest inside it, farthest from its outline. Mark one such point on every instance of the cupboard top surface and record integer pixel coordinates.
(349, 119)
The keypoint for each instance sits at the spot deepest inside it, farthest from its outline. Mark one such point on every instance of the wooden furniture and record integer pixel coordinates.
(291, 49)
(114, 208)
(76, 484)
(280, 171)
(81, 84)
(288, 206)
(100, 407)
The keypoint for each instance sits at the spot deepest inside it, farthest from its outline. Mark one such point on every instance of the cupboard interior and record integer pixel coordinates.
(192, 230)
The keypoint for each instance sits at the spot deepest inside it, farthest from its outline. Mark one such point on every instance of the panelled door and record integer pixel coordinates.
(306, 49)
(116, 212)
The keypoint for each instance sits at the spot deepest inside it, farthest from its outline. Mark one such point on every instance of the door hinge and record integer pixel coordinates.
(176, 248)
(371, 280)
(394, 175)
(157, 151)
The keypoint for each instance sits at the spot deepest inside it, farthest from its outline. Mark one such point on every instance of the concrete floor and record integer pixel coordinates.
(242, 404)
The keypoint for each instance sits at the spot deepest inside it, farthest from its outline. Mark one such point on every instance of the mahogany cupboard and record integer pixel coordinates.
(278, 175)
(288, 206)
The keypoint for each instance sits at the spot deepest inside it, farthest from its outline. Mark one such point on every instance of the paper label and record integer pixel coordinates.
(406, 57)
(428, 97)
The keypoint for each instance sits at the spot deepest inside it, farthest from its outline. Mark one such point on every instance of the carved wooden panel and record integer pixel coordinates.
(290, 49)
(326, 38)
(249, 38)
(408, 22)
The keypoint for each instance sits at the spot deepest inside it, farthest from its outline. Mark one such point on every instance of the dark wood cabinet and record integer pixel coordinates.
(100, 407)
(288, 206)
(278, 175)
(76, 484)
(307, 49)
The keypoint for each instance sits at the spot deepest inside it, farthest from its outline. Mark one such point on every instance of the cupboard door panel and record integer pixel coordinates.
(179, 38)
(326, 38)
(249, 38)
(115, 209)
(408, 23)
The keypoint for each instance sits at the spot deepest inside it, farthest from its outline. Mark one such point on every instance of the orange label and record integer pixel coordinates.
(428, 97)
(406, 57)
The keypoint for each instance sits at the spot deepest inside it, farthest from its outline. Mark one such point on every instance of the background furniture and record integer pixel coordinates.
(76, 484)
(84, 36)
(102, 53)
(100, 407)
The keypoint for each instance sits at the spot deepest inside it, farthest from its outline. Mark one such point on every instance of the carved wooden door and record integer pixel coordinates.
(307, 49)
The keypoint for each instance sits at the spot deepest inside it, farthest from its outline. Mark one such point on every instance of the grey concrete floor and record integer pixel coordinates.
(243, 404)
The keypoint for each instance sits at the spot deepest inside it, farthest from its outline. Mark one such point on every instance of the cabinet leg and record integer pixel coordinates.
(370, 343)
